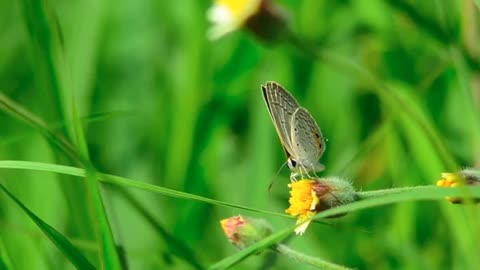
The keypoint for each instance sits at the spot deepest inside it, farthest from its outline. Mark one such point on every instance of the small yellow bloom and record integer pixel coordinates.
(303, 202)
(229, 15)
(466, 177)
(450, 180)
(308, 197)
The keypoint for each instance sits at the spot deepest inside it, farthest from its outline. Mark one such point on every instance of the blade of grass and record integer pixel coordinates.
(307, 259)
(5, 262)
(439, 193)
(15, 110)
(111, 258)
(373, 140)
(110, 255)
(46, 40)
(80, 222)
(382, 197)
(433, 29)
(109, 251)
(388, 197)
(253, 249)
(471, 112)
(390, 98)
(175, 245)
(86, 120)
(21, 113)
(44, 28)
(124, 182)
(62, 243)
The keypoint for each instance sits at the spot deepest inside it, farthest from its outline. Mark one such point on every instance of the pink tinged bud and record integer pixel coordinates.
(245, 231)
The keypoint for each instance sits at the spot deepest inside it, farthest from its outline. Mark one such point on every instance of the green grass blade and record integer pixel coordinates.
(62, 243)
(389, 97)
(175, 245)
(111, 258)
(419, 192)
(124, 182)
(109, 250)
(19, 112)
(5, 261)
(3, 265)
(46, 41)
(375, 199)
(432, 28)
(86, 120)
(45, 31)
(253, 249)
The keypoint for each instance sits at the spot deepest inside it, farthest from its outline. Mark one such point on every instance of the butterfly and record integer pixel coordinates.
(299, 134)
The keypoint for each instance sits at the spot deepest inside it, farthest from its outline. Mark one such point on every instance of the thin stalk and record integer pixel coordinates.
(306, 259)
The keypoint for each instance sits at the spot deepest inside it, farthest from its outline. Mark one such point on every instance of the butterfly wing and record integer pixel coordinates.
(308, 143)
(281, 106)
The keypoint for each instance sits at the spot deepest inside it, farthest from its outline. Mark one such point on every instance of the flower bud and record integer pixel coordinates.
(245, 231)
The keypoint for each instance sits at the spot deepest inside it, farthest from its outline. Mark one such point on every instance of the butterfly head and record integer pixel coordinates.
(292, 163)
(295, 165)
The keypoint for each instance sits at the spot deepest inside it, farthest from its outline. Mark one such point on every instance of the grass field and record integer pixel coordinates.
(126, 134)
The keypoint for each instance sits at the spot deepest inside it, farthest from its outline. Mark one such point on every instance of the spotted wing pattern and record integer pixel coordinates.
(308, 143)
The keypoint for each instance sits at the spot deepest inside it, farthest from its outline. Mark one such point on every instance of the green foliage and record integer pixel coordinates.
(102, 101)
(71, 252)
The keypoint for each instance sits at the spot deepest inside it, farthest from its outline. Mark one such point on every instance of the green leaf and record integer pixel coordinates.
(62, 243)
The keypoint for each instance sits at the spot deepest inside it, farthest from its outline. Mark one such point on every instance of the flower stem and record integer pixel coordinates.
(313, 261)
(382, 192)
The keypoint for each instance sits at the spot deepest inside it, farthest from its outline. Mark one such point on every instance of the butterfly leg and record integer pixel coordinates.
(293, 176)
(315, 173)
(305, 171)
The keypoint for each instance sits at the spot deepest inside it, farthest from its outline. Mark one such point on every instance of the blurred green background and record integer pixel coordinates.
(161, 103)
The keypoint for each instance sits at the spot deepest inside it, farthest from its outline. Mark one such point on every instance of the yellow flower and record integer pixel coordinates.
(229, 15)
(303, 202)
(450, 180)
(308, 197)
(467, 177)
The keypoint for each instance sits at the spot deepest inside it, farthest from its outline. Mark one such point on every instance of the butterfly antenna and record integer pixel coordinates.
(276, 176)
